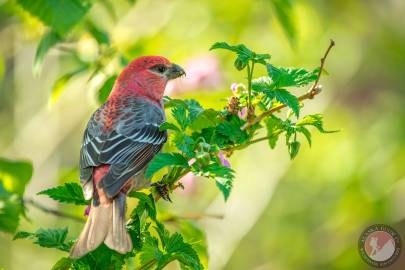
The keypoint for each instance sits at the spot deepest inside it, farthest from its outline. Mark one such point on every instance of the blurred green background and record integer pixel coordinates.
(304, 214)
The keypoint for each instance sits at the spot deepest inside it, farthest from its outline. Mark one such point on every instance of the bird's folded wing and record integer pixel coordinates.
(126, 138)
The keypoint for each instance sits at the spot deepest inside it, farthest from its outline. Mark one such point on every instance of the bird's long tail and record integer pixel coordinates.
(106, 223)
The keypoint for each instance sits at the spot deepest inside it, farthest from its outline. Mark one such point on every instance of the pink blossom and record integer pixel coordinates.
(203, 72)
(224, 161)
(234, 87)
(191, 161)
(188, 182)
(243, 113)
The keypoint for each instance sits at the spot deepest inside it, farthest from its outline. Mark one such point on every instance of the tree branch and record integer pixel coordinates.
(54, 212)
(313, 91)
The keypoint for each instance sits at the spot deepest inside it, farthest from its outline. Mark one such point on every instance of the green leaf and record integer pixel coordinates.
(268, 87)
(222, 175)
(293, 148)
(106, 88)
(48, 40)
(70, 193)
(291, 77)
(244, 54)
(285, 15)
(224, 185)
(232, 130)
(167, 126)
(205, 119)
(315, 120)
(60, 83)
(101, 36)
(60, 15)
(194, 109)
(49, 238)
(274, 127)
(183, 252)
(162, 160)
(285, 97)
(63, 264)
(145, 202)
(150, 251)
(180, 115)
(240, 49)
(184, 143)
(195, 235)
(11, 208)
(306, 133)
(15, 175)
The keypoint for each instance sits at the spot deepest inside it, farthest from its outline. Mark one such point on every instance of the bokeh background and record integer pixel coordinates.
(282, 214)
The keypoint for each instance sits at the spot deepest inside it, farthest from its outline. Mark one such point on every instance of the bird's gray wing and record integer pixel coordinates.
(126, 137)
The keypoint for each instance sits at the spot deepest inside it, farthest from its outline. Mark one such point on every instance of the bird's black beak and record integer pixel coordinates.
(175, 71)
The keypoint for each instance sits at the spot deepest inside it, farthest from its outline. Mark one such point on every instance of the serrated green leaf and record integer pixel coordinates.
(222, 175)
(192, 233)
(106, 89)
(224, 185)
(63, 264)
(240, 49)
(293, 148)
(145, 202)
(162, 160)
(22, 235)
(172, 102)
(274, 127)
(315, 120)
(49, 238)
(150, 251)
(290, 77)
(205, 119)
(61, 16)
(168, 126)
(47, 41)
(285, 97)
(306, 133)
(180, 115)
(70, 193)
(194, 109)
(183, 252)
(232, 130)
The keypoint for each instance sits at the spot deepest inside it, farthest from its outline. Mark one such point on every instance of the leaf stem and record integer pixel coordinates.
(51, 211)
(250, 75)
(147, 265)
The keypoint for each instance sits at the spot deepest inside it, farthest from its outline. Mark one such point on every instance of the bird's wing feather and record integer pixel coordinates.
(126, 137)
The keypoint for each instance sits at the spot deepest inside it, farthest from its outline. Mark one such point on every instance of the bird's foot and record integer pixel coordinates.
(162, 190)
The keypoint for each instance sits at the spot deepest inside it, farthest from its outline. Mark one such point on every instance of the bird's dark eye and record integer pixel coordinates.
(159, 68)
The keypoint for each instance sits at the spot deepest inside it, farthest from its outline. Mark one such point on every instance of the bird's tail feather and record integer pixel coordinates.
(106, 223)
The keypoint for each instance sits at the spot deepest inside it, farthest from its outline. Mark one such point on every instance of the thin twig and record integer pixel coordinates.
(47, 210)
(313, 91)
(193, 216)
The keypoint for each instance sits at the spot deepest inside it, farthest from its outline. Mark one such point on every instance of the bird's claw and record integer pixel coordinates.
(163, 190)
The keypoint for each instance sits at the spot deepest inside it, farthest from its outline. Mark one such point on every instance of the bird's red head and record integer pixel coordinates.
(146, 76)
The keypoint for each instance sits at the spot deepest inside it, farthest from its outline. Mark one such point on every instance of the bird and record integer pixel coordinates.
(121, 138)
